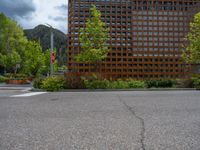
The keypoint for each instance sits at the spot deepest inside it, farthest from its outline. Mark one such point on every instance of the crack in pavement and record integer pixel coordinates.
(130, 109)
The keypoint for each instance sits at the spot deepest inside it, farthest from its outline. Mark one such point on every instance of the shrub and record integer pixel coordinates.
(18, 76)
(196, 81)
(37, 83)
(97, 84)
(119, 84)
(74, 80)
(55, 83)
(184, 83)
(3, 79)
(136, 84)
(160, 83)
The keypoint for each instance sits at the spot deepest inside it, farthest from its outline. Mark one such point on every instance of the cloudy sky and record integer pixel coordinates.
(30, 13)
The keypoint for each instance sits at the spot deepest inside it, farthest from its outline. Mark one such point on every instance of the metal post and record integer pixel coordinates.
(51, 64)
(51, 50)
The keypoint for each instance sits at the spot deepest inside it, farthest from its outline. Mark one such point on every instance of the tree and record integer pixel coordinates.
(93, 39)
(46, 67)
(34, 59)
(10, 61)
(12, 45)
(192, 52)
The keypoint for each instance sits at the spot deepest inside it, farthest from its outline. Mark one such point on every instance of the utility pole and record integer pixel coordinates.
(51, 50)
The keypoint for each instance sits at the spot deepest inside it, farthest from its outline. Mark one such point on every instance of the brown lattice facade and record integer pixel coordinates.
(146, 36)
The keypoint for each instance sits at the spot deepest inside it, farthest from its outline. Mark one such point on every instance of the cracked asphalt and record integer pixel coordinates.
(132, 120)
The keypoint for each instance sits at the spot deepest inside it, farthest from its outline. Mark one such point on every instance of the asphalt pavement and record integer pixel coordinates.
(122, 120)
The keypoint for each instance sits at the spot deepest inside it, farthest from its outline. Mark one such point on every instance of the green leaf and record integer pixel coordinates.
(93, 39)
(192, 52)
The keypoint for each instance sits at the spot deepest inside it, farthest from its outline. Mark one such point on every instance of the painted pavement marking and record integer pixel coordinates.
(29, 94)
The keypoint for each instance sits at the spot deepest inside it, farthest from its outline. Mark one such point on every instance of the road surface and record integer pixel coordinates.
(132, 120)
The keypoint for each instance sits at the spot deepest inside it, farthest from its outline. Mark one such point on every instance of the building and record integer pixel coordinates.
(146, 36)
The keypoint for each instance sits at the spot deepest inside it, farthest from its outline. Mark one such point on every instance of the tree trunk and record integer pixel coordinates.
(97, 68)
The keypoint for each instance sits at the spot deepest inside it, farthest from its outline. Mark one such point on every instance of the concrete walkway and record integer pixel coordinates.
(4, 86)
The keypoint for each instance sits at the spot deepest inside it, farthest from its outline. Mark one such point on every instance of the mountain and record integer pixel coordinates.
(41, 33)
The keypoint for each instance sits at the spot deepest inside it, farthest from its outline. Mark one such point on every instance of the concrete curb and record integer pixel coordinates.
(115, 90)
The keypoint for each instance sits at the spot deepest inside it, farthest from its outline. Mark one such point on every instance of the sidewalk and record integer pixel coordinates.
(4, 86)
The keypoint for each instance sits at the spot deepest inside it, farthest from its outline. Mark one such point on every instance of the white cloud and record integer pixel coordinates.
(47, 11)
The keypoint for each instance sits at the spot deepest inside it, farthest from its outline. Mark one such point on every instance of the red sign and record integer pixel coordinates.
(53, 57)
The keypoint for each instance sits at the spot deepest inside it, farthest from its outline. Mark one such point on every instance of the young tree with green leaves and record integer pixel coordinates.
(192, 52)
(93, 39)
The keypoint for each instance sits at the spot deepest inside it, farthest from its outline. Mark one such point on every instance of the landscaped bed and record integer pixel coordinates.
(12, 78)
(57, 83)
